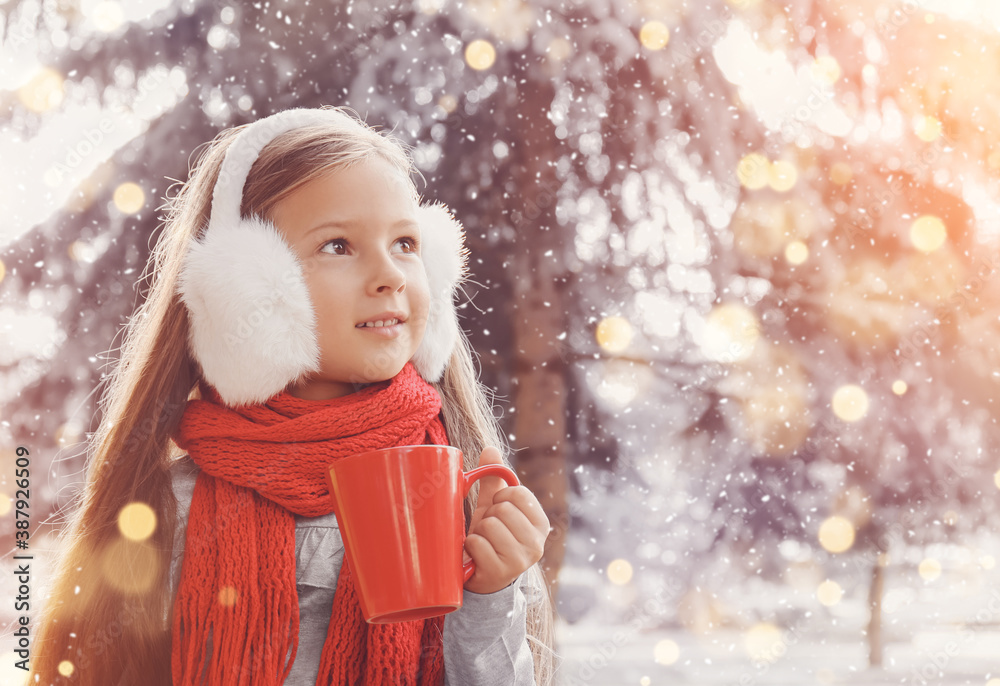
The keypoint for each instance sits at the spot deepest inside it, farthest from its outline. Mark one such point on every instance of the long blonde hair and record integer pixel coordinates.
(108, 610)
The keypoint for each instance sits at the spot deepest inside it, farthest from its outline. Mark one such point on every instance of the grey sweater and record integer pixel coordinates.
(484, 640)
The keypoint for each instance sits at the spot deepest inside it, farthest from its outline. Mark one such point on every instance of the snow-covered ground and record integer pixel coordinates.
(591, 655)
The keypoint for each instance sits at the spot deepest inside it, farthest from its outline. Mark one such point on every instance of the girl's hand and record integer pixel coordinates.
(507, 532)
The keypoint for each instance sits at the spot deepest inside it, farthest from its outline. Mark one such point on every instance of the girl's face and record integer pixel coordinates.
(356, 234)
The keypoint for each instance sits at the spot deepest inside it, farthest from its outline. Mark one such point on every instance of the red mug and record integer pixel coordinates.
(401, 518)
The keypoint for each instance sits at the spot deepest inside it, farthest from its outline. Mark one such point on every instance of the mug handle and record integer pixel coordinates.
(505, 473)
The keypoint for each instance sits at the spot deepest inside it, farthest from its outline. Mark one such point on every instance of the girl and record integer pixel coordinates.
(300, 310)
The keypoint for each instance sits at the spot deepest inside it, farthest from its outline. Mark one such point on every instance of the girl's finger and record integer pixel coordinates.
(511, 551)
(482, 552)
(523, 529)
(526, 502)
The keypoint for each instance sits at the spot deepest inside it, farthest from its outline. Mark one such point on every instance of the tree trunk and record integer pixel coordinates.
(875, 618)
(538, 317)
(540, 415)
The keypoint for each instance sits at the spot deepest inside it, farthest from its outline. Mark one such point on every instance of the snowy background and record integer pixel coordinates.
(736, 288)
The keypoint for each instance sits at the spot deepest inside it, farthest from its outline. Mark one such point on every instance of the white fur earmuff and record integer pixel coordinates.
(252, 324)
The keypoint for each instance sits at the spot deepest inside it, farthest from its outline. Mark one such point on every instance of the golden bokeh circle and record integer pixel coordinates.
(137, 521)
(666, 652)
(829, 593)
(929, 569)
(619, 571)
(614, 334)
(850, 403)
(654, 35)
(782, 176)
(928, 233)
(480, 54)
(129, 198)
(836, 534)
(754, 171)
(796, 252)
(228, 596)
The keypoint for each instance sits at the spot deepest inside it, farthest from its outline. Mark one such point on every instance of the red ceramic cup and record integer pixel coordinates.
(400, 514)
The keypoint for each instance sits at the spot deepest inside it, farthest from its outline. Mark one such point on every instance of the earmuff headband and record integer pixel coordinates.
(253, 328)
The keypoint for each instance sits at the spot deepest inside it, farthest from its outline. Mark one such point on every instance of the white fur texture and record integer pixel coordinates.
(252, 323)
(445, 258)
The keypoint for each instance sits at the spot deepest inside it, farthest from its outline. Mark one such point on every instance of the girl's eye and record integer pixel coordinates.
(339, 246)
(409, 244)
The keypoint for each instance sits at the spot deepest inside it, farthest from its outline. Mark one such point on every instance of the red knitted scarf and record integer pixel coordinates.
(236, 613)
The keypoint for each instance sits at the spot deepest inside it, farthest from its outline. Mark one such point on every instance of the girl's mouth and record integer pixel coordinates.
(388, 328)
(378, 324)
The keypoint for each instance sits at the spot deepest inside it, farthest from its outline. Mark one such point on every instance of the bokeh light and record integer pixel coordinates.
(929, 569)
(137, 521)
(5, 504)
(850, 403)
(928, 129)
(754, 171)
(782, 176)
(129, 198)
(731, 332)
(619, 571)
(796, 252)
(228, 596)
(826, 68)
(654, 35)
(899, 387)
(829, 593)
(43, 92)
(666, 652)
(480, 54)
(107, 15)
(928, 233)
(836, 534)
(614, 334)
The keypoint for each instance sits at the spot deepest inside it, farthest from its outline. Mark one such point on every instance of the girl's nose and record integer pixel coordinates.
(386, 277)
